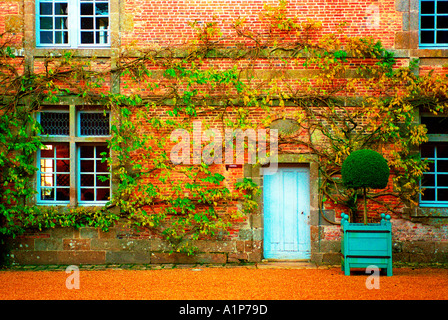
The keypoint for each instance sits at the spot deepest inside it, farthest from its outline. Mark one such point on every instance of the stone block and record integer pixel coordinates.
(214, 246)
(402, 40)
(62, 233)
(127, 257)
(245, 234)
(20, 244)
(421, 258)
(400, 257)
(47, 244)
(237, 257)
(402, 5)
(256, 221)
(331, 258)
(110, 234)
(160, 245)
(419, 247)
(88, 233)
(81, 257)
(162, 257)
(330, 246)
(76, 244)
(24, 257)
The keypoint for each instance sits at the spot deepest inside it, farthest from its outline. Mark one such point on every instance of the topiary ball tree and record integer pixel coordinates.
(365, 169)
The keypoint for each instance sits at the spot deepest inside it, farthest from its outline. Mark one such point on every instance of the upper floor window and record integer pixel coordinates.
(433, 23)
(72, 23)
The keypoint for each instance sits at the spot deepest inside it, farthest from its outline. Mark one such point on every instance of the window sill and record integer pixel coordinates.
(433, 52)
(100, 52)
(431, 212)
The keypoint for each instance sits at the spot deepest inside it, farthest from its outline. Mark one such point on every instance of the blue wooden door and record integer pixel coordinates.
(286, 195)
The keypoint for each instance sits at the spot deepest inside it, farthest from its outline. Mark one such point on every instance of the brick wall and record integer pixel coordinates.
(156, 23)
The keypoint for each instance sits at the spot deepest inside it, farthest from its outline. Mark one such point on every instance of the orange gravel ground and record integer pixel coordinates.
(224, 283)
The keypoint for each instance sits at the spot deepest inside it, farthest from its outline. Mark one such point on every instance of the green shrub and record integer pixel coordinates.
(365, 169)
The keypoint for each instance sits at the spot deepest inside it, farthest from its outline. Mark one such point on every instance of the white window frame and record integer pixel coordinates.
(434, 45)
(73, 26)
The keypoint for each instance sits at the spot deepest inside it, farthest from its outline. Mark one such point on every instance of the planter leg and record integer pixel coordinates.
(346, 268)
(389, 268)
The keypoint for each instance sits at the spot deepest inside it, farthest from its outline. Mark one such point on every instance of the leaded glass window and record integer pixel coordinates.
(72, 164)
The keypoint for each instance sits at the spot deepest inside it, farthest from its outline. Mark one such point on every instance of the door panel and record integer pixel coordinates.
(286, 214)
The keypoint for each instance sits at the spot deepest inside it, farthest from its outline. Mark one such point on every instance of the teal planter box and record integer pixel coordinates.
(365, 245)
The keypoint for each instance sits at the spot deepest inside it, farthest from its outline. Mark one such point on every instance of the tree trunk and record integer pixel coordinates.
(365, 206)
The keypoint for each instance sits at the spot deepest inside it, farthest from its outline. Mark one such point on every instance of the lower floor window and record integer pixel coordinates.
(94, 176)
(435, 181)
(84, 175)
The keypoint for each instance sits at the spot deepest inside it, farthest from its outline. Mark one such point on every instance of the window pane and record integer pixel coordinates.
(46, 8)
(87, 194)
(54, 123)
(427, 151)
(61, 37)
(87, 37)
(442, 194)
(94, 124)
(62, 150)
(46, 37)
(442, 150)
(431, 166)
(47, 151)
(442, 22)
(63, 165)
(102, 194)
(101, 23)
(62, 194)
(442, 166)
(428, 180)
(63, 180)
(60, 23)
(61, 8)
(442, 7)
(435, 125)
(46, 165)
(429, 195)
(427, 22)
(101, 166)
(47, 180)
(87, 180)
(87, 151)
(101, 37)
(46, 23)
(47, 194)
(102, 180)
(442, 36)
(427, 36)
(94, 177)
(427, 7)
(87, 166)
(100, 150)
(86, 9)
(86, 23)
(101, 9)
